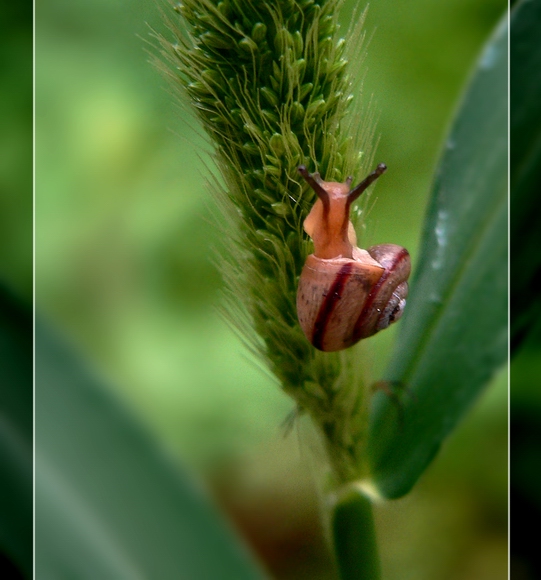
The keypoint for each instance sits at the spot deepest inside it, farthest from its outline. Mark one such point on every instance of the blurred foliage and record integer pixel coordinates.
(109, 504)
(525, 226)
(525, 167)
(124, 268)
(16, 147)
(16, 437)
(16, 278)
(525, 464)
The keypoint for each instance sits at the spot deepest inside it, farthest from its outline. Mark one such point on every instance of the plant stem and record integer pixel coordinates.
(354, 537)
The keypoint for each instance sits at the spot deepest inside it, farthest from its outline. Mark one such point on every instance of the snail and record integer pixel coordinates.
(346, 293)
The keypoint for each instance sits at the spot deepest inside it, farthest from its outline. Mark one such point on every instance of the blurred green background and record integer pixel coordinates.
(525, 231)
(124, 267)
(16, 147)
(15, 270)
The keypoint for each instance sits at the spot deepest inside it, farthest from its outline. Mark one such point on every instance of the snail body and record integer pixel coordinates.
(346, 293)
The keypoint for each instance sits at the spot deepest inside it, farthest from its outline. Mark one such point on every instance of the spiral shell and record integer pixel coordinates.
(346, 293)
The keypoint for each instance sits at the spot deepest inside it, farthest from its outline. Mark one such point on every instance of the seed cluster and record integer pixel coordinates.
(270, 84)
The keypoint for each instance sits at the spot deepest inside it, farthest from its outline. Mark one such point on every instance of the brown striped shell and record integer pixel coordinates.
(346, 293)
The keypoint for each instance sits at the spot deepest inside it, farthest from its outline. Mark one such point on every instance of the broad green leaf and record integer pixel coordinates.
(454, 334)
(16, 432)
(109, 504)
(525, 168)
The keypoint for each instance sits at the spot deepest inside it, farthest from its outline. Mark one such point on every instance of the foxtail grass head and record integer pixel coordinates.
(272, 85)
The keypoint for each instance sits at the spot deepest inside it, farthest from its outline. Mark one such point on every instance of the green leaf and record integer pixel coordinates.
(454, 334)
(16, 432)
(525, 120)
(109, 504)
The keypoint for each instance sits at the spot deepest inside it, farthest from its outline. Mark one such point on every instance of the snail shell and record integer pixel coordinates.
(346, 293)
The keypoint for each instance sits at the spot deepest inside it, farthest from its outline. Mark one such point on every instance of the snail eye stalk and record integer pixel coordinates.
(366, 182)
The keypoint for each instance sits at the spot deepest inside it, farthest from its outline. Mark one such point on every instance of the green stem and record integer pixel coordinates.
(354, 537)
